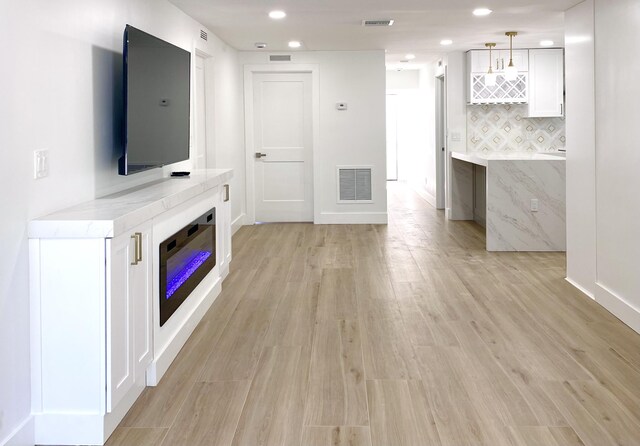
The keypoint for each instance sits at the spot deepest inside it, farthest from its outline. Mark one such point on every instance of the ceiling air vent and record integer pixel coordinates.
(203, 35)
(280, 58)
(354, 184)
(386, 22)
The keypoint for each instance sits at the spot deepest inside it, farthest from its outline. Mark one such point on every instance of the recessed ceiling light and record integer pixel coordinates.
(294, 44)
(410, 56)
(277, 14)
(482, 11)
(446, 42)
(546, 43)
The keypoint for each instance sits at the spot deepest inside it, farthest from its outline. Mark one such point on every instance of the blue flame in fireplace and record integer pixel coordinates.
(183, 275)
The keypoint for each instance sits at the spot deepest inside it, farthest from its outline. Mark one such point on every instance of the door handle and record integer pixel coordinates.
(226, 193)
(137, 237)
(260, 155)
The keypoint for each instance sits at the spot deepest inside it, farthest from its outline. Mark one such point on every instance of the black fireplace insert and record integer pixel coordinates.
(185, 259)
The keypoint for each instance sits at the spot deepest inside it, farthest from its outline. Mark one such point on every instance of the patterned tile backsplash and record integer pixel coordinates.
(505, 128)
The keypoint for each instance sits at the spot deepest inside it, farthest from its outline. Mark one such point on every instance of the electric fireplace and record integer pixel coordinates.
(185, 259)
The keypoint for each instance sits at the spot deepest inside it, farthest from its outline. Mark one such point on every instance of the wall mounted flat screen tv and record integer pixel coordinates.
(157, 79)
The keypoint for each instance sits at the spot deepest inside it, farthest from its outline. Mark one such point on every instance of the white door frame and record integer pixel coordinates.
(249, 71)
(441, 139)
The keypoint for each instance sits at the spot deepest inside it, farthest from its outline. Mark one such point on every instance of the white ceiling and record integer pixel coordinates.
(419, 24)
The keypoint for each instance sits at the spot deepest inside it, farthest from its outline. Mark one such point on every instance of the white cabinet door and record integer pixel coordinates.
(223, 228)
(129, 342)
(520, 60)
(140, 285)
(119, 305)
(226, 205)
(546, 83)
(478, 61)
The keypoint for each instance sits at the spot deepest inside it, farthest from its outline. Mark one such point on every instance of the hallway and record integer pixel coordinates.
(406, 334)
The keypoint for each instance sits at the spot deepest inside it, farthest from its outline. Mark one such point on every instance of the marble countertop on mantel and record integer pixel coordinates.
(482, 159)
(114, 214)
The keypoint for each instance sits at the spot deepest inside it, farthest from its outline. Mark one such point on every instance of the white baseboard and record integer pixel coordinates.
(23, 435)
(352, 218)
(581, 288)
(619, 307)
(238, 223)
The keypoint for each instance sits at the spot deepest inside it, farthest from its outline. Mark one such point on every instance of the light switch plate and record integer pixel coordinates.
(534, 205)
(40, 164)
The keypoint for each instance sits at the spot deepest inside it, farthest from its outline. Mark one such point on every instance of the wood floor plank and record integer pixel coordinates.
(337, 295)
(209, 416)
(387, 351)
(400, 414)
(135, 436)
(336, 436)
(294, 320)
(337, 393)
(273, 412)
(589, 430)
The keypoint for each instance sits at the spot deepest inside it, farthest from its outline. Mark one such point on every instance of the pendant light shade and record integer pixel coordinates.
(490, 76)
(511, 71)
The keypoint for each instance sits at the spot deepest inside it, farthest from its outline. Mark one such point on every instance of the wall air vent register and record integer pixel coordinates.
(354, 184)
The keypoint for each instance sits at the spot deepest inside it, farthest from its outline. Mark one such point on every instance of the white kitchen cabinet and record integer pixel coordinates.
(546, 83)
(128, 303)
(479, 60)
(504, 91)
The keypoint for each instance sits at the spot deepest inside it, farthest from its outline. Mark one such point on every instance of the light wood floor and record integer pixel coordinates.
(406, 334)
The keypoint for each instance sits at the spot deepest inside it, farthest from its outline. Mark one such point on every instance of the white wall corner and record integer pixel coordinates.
(582, 289)
(23, 435)
(618, 306)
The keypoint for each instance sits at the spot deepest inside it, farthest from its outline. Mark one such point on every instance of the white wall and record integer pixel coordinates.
(415, 92)
(60, 89)
(352, 137)
(456, 113)
(229, 127)
(617, 158)
(581, 146)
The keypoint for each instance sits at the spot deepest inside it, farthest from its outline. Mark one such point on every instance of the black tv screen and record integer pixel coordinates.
(157, 78)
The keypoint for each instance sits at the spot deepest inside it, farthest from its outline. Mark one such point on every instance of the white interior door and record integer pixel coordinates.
(392, 137)
(283, 147)
(200, 156)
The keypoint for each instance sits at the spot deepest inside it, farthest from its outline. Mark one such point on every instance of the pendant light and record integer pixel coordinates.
(511, 72)
(490, 77)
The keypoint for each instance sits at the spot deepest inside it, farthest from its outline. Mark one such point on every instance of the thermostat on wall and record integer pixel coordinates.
(341, 105)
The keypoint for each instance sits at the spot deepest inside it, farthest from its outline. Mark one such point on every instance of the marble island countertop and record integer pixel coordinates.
(483, 159)
(114, 214)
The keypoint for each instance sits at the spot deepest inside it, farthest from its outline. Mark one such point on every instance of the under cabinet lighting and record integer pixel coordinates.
(410, 56)
(446, 42)
(546, 43)
(294, 44)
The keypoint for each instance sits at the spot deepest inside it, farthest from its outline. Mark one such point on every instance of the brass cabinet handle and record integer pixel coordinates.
(226, 193)
(137, 256)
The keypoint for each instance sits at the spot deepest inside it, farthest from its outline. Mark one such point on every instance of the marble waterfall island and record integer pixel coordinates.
(521, 200)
